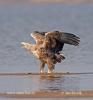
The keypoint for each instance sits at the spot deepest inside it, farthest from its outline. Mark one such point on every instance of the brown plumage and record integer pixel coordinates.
(48, 45)
(44, 55)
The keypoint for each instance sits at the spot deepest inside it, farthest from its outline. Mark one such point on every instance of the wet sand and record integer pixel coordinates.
(61, 94)
(37, 73)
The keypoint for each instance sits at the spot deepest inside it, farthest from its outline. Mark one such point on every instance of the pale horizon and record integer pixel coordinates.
(44, 1)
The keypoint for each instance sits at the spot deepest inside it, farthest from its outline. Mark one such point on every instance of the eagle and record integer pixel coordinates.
(48, 46)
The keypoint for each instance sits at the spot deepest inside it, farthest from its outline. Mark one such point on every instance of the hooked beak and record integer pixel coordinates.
(23, 43)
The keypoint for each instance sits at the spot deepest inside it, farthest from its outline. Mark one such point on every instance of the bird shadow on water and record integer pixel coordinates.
(54, 83)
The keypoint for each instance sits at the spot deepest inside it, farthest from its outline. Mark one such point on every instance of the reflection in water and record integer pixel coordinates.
(50, 82)
(39, 83)
(57, 83)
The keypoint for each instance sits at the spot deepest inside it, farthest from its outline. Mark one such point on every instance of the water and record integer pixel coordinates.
(16, 24)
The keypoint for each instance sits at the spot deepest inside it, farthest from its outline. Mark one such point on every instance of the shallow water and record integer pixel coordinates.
(16, 24)
(36, 83)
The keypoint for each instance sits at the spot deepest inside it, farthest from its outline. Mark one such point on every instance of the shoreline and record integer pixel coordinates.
(45, 73)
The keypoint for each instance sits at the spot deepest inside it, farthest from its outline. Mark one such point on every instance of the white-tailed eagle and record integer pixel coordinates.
(48, 46)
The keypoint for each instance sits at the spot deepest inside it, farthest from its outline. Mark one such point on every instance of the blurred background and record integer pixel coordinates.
(18, 18)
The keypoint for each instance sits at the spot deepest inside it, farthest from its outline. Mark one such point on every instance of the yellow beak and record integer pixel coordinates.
(23, 44)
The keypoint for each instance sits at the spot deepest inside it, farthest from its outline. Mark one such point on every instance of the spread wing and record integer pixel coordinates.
(64, 37)
(38, 36)
(61, 38)
(55, 45)
(69, 38)
(55, 39)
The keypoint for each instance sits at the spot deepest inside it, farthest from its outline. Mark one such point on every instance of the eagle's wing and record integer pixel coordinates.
(61, 38)
(55, 39)
(64, 37)
(38, 36)
(69, 38)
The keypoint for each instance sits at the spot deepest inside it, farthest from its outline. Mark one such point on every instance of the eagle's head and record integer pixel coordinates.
(24, 44)
(31, 47)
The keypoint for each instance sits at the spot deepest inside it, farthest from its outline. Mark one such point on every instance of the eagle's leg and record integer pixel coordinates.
(42, 64)
(50, 65)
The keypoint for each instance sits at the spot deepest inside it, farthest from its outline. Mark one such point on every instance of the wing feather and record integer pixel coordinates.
(68, 38)
(55, 39)
(62, 38)
(38, 36)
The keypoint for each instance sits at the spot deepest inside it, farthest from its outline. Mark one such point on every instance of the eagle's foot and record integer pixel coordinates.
(49, 71)
(41, 71)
